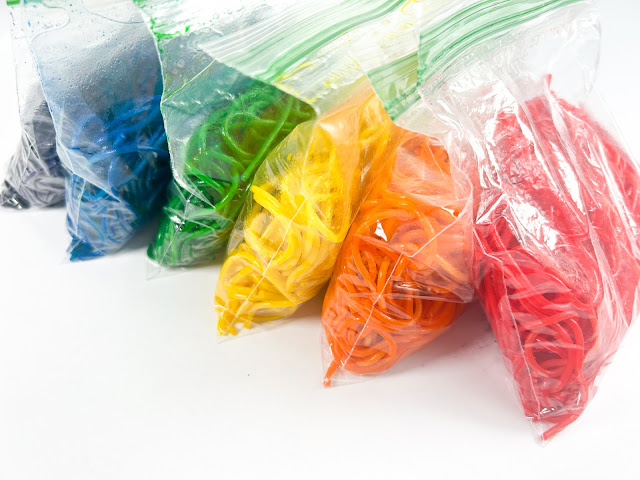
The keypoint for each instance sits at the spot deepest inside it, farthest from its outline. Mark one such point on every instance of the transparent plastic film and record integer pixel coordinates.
(35, 176)
(402, 276)
(301, 204)
(317, 51)
(556, 253)
(220, 124)
(101, 77)
(387, 48)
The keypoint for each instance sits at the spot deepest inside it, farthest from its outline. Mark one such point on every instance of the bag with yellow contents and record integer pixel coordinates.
(301, 205)
(306, 194)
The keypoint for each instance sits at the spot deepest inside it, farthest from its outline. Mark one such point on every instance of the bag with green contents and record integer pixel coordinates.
(220, 125)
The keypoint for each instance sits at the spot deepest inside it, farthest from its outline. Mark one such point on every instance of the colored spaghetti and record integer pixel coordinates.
(557, 270)
(221, 158)
(402, 274)
(302, 204)
(128, 147)
(35, 177)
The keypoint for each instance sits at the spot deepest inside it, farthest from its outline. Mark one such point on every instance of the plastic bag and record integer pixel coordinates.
(286, 244)
(557, 209)
(221, 125)
(35, 177)
(101, 77)
(307, 192)
(572, 300)
(402, 276)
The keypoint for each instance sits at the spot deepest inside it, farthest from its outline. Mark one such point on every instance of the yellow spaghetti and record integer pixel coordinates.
(300, 207)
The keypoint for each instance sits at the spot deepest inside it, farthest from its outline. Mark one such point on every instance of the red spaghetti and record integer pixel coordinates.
(557, 257)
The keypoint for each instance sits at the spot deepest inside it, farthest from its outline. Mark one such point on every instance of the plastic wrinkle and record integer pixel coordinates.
(133, 143)
(402, 274)
(560, 290)
(300, 211)
(222, 157)
(35, 177)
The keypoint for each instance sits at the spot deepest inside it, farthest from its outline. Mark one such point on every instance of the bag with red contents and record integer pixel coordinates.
(508, 88)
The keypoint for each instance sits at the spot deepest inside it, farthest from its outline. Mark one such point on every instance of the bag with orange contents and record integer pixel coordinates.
(402, 276)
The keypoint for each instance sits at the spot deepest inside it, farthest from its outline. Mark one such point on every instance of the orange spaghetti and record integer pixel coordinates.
(401, 276)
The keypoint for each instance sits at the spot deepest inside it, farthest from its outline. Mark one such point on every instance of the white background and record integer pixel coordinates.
(105, 375)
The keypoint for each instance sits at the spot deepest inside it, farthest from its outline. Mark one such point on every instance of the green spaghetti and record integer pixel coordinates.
(222, 156)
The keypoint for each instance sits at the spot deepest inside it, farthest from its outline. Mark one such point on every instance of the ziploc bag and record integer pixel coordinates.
(285, 245)
(508, 86)
(402, 276)
(305, 195)
(35, 177)
(101, 77)
(220, 124)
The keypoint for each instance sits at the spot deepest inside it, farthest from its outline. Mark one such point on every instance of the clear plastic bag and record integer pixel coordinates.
(402, 276)
(35, 177)
(573, 299)
(308, 191)
(557, 208)
(220, 124)
(300, 208)
(101, 77)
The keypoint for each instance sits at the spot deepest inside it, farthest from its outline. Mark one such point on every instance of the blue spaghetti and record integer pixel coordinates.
(127, 148)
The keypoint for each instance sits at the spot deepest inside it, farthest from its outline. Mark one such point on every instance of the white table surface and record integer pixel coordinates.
(106, 375)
